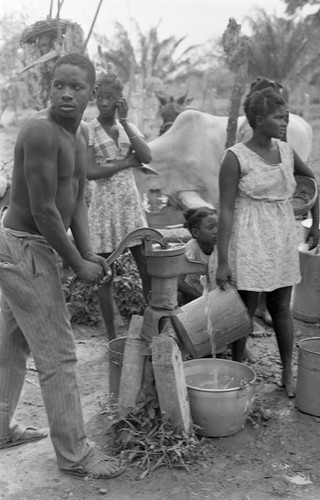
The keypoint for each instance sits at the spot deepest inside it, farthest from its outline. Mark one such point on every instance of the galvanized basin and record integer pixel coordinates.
(221, 395)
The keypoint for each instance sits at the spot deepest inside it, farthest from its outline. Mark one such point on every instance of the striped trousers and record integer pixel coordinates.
(34, 316)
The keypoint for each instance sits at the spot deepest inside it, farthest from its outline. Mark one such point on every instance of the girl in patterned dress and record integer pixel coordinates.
(256, 229)
(116, 148)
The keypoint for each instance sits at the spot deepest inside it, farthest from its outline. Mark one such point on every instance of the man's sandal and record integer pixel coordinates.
(22, 435)
(98, 466)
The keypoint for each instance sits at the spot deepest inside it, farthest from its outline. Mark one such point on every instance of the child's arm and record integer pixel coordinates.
(112, 167)
(187, 291)
(139, 145)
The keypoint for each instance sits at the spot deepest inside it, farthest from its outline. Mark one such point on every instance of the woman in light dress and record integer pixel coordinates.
(256, 230)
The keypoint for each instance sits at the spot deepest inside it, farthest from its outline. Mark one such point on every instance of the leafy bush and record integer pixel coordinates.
(128, 287)
(83, 303)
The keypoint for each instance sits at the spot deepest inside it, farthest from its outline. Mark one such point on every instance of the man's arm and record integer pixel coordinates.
(79, 224)
(80, 230)
(41, 150)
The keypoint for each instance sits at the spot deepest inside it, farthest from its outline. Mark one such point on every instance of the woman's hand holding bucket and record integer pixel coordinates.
(224, 276)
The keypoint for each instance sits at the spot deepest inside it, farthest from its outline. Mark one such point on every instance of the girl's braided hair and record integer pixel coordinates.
(111, 79)
(194, 216)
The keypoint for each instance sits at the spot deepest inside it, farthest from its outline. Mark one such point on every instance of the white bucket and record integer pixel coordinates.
(306, 224)
(306, 294)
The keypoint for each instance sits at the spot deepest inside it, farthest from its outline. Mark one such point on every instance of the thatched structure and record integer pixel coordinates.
(43, 42)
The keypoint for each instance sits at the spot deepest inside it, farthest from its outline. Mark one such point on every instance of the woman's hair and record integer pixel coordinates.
(194, 216)
(111, 79)
(261, 82)
(77, 59)
(261, 103)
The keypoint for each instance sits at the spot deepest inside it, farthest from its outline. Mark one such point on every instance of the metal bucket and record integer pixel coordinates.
(116, 352)
(228, 317)
(221, 395)
(306, 224)
(308, 381)
(306, 294)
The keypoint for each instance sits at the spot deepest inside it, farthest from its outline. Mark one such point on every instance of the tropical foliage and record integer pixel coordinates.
(10, 31)
(294, 5)
(82, 300)
(144, 54)
(282, 48)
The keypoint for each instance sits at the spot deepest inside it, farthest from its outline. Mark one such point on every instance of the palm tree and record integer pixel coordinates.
(294, 5)
(283, 49)
(149, 56)
(145, 64)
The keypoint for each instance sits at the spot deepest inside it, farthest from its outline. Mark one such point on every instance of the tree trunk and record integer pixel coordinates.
(236, 49)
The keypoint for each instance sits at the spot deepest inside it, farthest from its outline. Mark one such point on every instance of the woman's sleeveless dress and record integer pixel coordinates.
(263, 254)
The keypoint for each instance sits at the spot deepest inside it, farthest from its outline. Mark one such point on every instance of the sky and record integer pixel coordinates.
(198, 20)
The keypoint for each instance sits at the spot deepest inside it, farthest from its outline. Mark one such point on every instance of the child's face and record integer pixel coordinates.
(107, 99)
(207, 232)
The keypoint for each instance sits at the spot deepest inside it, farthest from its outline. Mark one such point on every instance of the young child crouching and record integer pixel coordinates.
(202, 224)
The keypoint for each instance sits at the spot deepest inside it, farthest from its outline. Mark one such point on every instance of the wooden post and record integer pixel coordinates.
(91, 27)
(236, 49)
(133, 365)
(171, 383)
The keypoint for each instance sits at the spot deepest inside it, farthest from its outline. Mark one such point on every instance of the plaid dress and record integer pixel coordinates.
(115, 207)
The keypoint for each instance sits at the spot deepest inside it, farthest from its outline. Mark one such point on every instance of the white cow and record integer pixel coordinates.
(187, 157)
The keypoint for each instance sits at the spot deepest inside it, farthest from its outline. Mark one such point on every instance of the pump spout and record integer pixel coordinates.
(193, 266)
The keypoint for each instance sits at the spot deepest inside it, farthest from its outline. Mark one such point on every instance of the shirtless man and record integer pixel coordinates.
(48, 198)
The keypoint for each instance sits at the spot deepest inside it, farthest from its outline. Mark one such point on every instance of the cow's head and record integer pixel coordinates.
(171, 108)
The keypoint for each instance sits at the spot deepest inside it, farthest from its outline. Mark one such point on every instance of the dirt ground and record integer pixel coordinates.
(276, 454)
